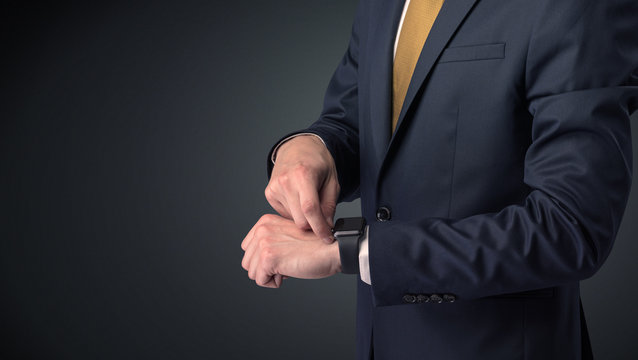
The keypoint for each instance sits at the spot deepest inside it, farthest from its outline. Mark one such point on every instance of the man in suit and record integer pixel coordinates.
(492, 180)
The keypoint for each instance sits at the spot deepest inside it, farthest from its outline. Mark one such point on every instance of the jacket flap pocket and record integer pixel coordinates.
(473, 52)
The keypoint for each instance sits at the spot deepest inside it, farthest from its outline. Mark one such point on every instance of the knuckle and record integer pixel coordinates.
(302, 172)
(331, 206)
(264, 220)
(262, 281)
(300, 169)
(263, 243)
(267, 258)
(260, 233)
(330, 210)
(269, 193)
(282, 180)
(302, 223)
(309, 207)
(268, 253)
(264, 257)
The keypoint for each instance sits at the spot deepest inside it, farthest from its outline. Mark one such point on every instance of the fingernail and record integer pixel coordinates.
(328, 239)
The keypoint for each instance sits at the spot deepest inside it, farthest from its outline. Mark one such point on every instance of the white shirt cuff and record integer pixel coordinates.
(274, 152)
(364, 263)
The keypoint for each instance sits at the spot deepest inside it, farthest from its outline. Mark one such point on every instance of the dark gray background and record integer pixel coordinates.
(132, 162)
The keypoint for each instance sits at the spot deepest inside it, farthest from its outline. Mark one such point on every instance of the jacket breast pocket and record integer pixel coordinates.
(473, 53)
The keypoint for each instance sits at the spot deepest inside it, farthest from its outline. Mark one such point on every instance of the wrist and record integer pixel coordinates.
(313, 139)
(335, 260)
(348, 233)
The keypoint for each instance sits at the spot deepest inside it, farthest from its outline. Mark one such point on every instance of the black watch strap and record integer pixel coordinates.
(348, 233)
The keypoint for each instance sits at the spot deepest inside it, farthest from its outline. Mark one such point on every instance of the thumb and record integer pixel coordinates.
(278, 279)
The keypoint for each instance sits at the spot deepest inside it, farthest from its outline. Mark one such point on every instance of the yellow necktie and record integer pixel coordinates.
(415, 29)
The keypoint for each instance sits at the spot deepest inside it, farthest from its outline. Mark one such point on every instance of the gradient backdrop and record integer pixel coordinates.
(133, 139)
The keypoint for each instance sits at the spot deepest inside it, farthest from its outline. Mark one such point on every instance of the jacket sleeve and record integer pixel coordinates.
(339, 120)
(581, 88)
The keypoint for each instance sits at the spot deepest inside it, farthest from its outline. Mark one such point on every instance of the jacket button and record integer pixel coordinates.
(409, 298)
(450, 298)
(422, 298)
(383, 214)
(436, 298)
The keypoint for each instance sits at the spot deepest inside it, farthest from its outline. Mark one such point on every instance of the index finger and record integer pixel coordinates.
(311, 208)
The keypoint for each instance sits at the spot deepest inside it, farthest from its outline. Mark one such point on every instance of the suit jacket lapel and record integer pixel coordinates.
(383, 28)
(449, 19)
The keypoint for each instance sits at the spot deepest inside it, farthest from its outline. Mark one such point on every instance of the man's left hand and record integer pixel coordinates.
(275, 248)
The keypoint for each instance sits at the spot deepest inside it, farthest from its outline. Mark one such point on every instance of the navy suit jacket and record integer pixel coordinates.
(506, 178)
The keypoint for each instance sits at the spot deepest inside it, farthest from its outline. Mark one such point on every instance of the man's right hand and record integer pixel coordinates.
(304, 186)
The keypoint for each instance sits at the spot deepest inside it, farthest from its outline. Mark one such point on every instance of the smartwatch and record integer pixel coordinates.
(348, 233)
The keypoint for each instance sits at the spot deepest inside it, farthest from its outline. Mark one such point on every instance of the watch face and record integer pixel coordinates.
(349, 226)
(341, 233)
